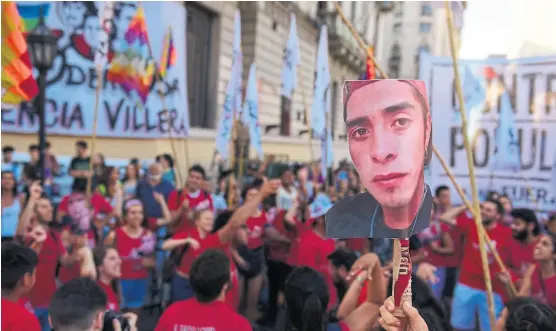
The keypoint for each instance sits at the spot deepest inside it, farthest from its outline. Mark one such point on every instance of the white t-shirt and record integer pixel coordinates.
(285, 199)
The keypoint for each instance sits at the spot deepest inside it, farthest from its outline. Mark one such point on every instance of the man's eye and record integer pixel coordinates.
(402, 122)
(359, 132)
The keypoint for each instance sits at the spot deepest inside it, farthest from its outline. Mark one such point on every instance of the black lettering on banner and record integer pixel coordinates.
(112, 114)
(76, 75)
(5, 118)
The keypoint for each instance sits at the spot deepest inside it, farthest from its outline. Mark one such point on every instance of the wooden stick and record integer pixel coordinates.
(232, 158)
(470, 166)
(94, 133)
(481, 228)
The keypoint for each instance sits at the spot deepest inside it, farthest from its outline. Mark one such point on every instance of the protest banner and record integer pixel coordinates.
(71, 82)
(531, 84)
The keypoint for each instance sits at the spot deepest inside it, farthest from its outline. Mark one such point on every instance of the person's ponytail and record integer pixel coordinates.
(313, 315)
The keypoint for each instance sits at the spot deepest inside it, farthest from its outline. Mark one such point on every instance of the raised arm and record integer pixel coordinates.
(450, 216)
(35, 193)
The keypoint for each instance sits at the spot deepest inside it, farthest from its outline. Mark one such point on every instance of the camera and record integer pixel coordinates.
(109, 316)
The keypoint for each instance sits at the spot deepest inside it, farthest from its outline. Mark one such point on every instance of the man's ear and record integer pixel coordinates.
(428, 132)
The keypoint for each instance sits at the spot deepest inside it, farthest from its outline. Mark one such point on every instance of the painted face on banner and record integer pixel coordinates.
(388, 128)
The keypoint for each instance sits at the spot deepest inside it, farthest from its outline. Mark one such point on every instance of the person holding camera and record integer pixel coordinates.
(80, 305)
(18, 277)
(109, 271)
(210, 279)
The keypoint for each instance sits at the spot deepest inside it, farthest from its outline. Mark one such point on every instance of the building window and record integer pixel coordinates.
(422, 48)
(426, 10)
(424, 27)
(397, 28)
(399, 10)
(395, 61)
(199, 39)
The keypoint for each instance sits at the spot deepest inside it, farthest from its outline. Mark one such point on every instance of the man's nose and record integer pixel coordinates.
(383, 147)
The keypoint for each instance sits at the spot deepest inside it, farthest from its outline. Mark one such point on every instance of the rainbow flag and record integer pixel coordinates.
(30, 13)
(133, 68)
(18, 83)
(169, 55)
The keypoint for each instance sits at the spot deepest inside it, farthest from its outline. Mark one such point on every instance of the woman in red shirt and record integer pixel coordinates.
(194, 242)
(109, 266)
(540, 279)
(136, 245)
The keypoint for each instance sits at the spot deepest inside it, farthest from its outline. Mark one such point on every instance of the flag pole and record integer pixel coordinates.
(94, 133)
(470, 166)
(308, 121)
(158, 81)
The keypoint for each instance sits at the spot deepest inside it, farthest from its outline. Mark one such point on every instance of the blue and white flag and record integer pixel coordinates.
(291, 61)
(474, 94)
(232, 101)
(250, 116)
(327, 153)
(507, 156)
(321, 96)
(320, 205)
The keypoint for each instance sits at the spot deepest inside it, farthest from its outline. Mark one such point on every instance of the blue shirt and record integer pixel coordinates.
(145, 194)
(10, 217)
(219, 202)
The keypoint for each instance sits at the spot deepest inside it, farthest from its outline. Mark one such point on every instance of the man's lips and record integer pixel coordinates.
(388, 177)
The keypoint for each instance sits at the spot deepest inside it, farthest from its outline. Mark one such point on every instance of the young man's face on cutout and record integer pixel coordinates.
(388, 135)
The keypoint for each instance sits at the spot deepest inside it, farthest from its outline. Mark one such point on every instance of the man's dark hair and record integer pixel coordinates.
(8, 149)
(17, 260)
(81, 143)
(439, 190)
(342, 258)
(33, 147)
(209, 273)
(198, 168)
(529, 314)
(167, 157)
(422, 102)
(257, 183)
(75, 304)
(529, 217)
(498, 204)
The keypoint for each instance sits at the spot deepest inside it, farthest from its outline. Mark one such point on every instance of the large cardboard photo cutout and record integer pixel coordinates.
(389, 131)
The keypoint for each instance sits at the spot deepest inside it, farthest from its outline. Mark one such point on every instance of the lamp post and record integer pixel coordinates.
(43, 48)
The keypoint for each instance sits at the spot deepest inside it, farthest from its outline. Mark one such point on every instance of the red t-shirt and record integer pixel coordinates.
(357, 244)
(435, 231)
(212, 240)
(256, 226)
(68, 273)
(113, 302)
(471, 272)
(98, 203)
(315, 255)
(45, 286)
(132, 261)
(197, 201)
(543, 289)
(194, 315)
(454, 261)
(15, 317)
(287, 253)
(521, 257)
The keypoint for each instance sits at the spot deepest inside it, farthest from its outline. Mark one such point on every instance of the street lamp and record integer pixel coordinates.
(43, 47)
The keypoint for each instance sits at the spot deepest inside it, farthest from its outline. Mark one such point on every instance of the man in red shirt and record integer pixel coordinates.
(210, 278)
(525, 230)
(182, 203)
(18, 277)
(470, 295)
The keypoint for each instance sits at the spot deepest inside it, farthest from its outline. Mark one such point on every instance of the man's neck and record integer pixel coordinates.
(530, 239)
(105, 279)
(401, 218)
(12, 296)
(548, 269)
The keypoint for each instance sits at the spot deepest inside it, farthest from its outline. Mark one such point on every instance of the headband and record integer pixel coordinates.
(132, 203)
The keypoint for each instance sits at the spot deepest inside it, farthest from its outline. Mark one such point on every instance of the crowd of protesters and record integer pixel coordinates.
(250, 254)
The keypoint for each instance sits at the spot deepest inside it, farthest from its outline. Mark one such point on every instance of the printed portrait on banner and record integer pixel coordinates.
(73, 78)
(389, 132)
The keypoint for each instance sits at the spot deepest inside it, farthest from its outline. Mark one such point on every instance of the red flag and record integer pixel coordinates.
(370, 73)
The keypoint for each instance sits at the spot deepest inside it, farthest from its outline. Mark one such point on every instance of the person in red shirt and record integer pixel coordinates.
(194, 242)
(109, 266)
(136, 245)
(18, 277)
(339, 266)
(470, 294)
(98, 204)
(34, 228)
(525, 230)
(183, 203)
(540, 278)
(206, 310)
(83, 265)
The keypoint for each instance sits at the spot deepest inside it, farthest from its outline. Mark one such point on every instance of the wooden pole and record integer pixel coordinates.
(470, 166)
(94, 133)
(232, 158)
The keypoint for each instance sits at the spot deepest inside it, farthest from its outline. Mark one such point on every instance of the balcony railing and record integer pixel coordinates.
(342, 44)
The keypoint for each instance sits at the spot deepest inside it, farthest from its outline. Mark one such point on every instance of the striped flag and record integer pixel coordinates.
(250, 116)
(371, 70)
(30, 13)
(18, 83)
(169, 55)
(291, 61)
(321, 97)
